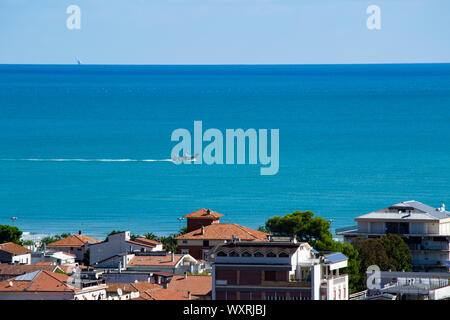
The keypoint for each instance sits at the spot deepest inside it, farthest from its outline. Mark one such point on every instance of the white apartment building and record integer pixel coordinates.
(120, 243)
(425, 229)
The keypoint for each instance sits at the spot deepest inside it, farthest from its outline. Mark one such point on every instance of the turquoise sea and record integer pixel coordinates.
(353, 138)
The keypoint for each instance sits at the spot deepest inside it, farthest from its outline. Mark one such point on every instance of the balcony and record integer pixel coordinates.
(290, 284)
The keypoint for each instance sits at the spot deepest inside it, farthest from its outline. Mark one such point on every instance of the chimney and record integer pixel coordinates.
(172, 258)
(203, 230)
(79, 232)
(189, 295)
(185, 275)
(208, 212)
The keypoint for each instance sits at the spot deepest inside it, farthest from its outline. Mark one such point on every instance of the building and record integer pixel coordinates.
(57, 258)
(44, 285)
(277, 270)
(204, 232)
(202, 217)
(124, 276)
(8, 271)
(192, 287)
(77, 245)
(167, 262)
(426, 230)
(120, 243)
(141, 291)
(14, 253)
(407, 286)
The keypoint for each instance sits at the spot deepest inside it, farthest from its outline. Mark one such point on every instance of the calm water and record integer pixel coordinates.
(352, 139)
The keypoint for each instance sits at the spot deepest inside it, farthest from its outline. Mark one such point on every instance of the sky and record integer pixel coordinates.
(224, 32)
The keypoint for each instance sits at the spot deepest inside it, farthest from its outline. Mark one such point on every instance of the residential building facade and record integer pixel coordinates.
(206, 232)
(276, 271)
(77, 245)
(14, 253)
(426, 231)
(120, 243)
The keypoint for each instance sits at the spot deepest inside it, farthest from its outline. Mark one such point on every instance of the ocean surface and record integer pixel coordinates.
(353, 138)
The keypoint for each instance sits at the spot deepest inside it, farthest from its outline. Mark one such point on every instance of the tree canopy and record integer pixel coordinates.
(303, 225)
(315, 231)
(10, 234)
(388, 253)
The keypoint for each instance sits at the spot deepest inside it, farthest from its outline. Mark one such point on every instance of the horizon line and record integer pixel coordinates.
(223, 64)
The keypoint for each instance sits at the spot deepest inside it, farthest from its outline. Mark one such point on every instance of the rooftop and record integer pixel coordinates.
(203, 214)
(407, 210)
(38, 281)
(145, 242)
(147, 291)
(13, 248)
(224, 231)
(18, 269)
(151, 260)
(76, 240)
(197, 285)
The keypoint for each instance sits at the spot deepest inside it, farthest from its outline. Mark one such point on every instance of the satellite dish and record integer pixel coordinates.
(119, 291)
(10, 283)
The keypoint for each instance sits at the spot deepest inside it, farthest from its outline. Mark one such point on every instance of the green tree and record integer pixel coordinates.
(263, 229)
(151, 236)
(316, 231)
(303, 225)
(370, 252)
(397, 251)
(113, 232)
(182, 231)
(10, 234)
(51, 239)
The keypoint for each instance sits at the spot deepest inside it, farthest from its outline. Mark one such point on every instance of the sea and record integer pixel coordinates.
(352, 139)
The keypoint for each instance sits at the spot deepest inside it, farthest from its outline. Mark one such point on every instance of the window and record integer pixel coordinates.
(283, 255)
(184, 251)
(258, 255)
(221, 254)
(246, 254)
(271, 255)
(397, 227)
(184, 241)
(206, 243)
(234, 254)
(270, 275)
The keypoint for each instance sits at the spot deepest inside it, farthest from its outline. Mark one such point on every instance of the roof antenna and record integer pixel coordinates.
(442, 208)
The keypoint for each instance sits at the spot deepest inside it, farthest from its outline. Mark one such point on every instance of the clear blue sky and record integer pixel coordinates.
(224, 32)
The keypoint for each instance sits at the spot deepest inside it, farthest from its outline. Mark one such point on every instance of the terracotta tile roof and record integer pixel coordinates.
(43, 281)
(155, 260)
(18, 269)
(225, 231)
(147, 291)
(76, 240)
(161, 294)
(13, 248)
(203, 214)
(197, 285)
(144, 242)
